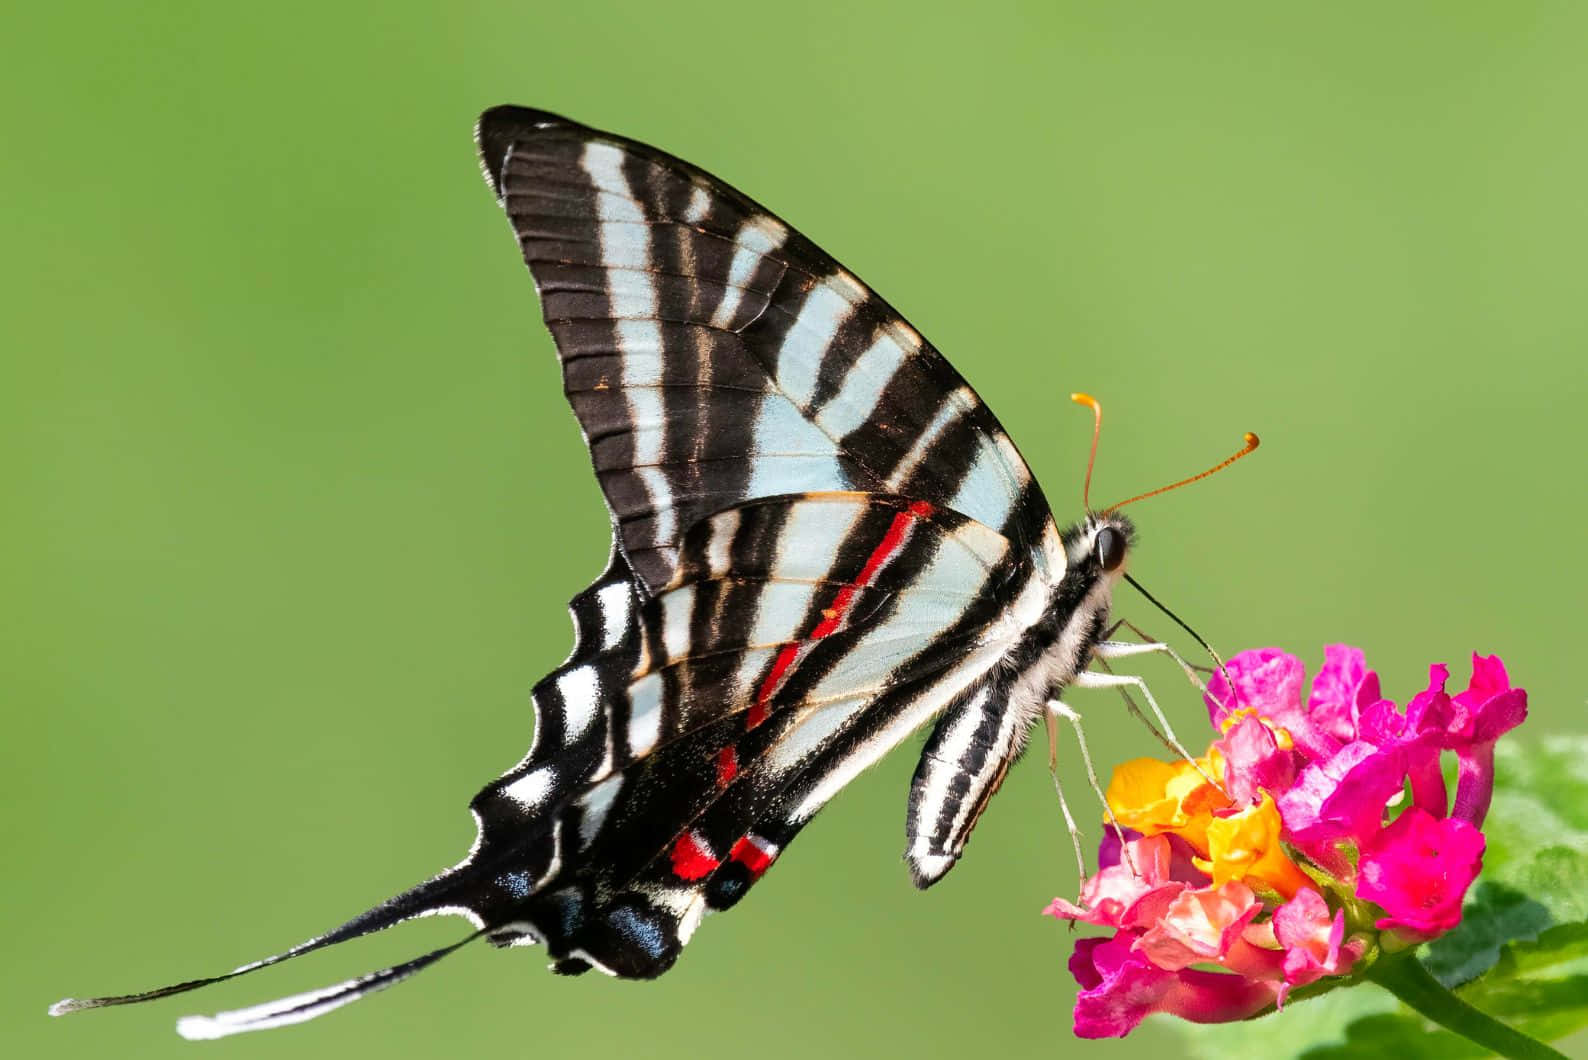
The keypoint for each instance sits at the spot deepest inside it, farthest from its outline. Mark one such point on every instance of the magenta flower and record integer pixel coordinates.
(1342, 798)
(1487, 710)
(1300, 869)
(1418, 869)
(1254, 761)
(1120, 988)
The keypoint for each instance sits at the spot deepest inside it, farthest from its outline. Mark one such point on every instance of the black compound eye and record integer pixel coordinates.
(1110, 549)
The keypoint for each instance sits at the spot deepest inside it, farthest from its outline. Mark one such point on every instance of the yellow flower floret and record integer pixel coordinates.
(1155, 797)
(1245, 846)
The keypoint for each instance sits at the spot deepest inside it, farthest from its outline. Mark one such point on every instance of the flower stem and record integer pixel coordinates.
(1407, 979)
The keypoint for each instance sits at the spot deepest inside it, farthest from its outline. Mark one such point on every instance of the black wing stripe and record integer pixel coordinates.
(682, 297)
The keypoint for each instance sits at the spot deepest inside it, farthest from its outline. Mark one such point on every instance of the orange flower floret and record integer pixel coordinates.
(1245, 846)
(1156, 797)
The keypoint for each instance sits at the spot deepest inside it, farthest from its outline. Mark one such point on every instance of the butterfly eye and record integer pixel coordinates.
(1110, 549)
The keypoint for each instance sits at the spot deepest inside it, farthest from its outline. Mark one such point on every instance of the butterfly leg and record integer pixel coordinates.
(1051, 719)
(1092, 679)
(1057, 710)
(1124, 649)
(1147, 638)
(1108, 648)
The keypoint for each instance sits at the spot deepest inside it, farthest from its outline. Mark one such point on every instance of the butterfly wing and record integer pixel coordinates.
(712, 354)
(800, 638)
(822, 540)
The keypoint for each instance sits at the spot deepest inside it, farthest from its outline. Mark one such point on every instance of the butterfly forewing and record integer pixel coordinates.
(713, 354)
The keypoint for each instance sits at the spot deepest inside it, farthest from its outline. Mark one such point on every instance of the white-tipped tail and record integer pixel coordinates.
(306, 1006)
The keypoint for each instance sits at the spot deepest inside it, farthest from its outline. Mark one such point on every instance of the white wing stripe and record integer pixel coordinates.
(615, 602)
(949, 569)
(952, 408)
(782, 432)
(857, 399)
(531, 789)
(678, 608)
(699, 203)
(645, 714)
(805, 346)
(780, 612)
(581, 700)
(919, 710)
(625, 250)
(595, 805)
(756, 239)
(813, 731)
(986, 493)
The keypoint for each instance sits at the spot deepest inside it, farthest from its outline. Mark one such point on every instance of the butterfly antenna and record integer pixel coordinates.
(1250, 445)
(426, 899)
(1153, 600)
(1097, 429)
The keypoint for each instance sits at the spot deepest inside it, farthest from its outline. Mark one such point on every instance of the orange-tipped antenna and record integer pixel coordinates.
(1251, 444)
(1097, 428)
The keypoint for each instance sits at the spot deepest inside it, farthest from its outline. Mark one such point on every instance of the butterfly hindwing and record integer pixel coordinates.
(772, 672)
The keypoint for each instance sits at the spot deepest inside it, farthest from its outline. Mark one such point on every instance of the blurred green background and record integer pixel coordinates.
(292, 501)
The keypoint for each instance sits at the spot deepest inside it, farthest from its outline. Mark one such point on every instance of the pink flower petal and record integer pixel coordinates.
(1418, 869)
(1129, 892)
(1343, 686)
(1311, 939)
(1487, 710)
(1199, 925)
(1431, 709)
(1489, 679)
(1120, 988)
(1266, 680)
(1420, 733)
(1343, 797)
(1254, 761)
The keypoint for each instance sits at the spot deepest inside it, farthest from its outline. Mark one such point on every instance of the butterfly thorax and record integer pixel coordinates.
(1083, 596)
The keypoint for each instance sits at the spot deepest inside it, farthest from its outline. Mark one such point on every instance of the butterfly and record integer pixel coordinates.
(822, 542)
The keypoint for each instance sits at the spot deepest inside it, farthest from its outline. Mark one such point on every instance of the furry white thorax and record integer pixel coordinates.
(1071, 651)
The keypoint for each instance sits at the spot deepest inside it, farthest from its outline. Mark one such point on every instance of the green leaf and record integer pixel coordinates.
(1496, 914)
(1536, 862)
(1538, 987)
(1540, 802)
(1403, 1035)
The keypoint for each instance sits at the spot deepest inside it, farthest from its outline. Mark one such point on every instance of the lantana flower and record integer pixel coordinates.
(1290, 856)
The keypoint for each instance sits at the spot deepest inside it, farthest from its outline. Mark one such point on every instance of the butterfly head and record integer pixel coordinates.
(1096, 554)
(1097, 548)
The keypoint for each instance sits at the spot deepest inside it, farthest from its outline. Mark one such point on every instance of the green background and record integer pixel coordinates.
(291, 500)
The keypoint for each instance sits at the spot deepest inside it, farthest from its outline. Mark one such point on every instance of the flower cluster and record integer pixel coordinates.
(1292, 853)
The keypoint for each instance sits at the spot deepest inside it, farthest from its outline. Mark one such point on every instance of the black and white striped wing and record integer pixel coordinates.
(713, 355)
(823, 540)
(800, 639)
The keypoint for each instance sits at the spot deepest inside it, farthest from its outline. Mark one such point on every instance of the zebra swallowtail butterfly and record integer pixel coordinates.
(822, 542)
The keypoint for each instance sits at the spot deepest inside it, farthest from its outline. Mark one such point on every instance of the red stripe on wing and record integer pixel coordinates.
(753, 856)
(833, 614)
(727, 766)
(691, 859)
